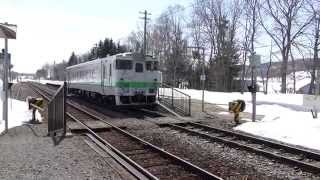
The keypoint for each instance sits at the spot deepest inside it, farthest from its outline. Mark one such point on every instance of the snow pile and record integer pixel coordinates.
(286, 125)
(18, 112)
(284, 116)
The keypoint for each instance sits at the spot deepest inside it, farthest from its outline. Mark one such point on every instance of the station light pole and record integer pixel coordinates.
(7, 31)
(202, 76)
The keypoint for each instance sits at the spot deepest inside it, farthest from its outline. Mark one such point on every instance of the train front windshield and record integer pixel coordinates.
(123, 64)
(152, 65)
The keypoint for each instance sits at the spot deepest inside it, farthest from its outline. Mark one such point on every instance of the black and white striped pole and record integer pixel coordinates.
(255, 61)
(7, 31)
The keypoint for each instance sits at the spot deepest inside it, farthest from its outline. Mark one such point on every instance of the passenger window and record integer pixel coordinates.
(139, 67)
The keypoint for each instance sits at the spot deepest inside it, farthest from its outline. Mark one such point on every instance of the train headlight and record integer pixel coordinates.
(125, 90)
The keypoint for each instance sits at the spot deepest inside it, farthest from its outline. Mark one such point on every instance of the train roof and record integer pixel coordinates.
(86, 63)
(134, 56)
(126, 55)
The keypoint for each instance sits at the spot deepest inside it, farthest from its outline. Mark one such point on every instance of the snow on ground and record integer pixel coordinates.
(274, 84)
(44, 81)
(285, 118)
(18, 113)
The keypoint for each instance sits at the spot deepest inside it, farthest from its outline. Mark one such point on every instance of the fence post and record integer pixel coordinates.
(158, 92)
(172, 98)
(64, 108)
(189, 106)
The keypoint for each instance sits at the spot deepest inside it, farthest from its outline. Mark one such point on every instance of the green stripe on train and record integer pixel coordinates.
(136, 84)
(125, 84)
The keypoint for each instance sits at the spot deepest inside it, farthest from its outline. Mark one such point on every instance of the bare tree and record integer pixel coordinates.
(219, 20)
(250, 31)
(287, 24)
(315, 12)
(293, 71)
(268, 71)
(172, 45)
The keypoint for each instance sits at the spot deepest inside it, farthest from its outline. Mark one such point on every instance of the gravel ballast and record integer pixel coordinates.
(27, 153)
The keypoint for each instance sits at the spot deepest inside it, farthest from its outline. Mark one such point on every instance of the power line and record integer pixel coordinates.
(146, 19)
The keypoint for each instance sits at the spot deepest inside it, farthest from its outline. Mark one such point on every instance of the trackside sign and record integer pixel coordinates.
(8, 31)
(311, 101)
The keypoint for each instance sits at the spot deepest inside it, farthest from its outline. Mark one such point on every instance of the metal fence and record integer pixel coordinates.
(56, 112)
(175, 100)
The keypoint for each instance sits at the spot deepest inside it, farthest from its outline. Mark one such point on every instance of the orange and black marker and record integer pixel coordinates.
(236, 107)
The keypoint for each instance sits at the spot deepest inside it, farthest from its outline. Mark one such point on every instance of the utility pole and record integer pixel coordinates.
(145, 18)
(5, 84)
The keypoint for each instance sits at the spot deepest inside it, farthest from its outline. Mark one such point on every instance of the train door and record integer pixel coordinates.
(103, 72)
(110, 75)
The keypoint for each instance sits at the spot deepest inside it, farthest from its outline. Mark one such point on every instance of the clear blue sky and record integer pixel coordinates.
(49, 30)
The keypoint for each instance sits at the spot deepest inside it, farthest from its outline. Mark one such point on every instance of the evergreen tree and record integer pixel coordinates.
(73, 60)
(106, 44)
(100, 50)
(113, 49)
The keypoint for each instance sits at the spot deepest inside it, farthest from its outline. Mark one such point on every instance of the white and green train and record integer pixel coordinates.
(122, 79)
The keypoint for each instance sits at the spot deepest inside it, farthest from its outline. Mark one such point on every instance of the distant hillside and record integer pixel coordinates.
(300, 65)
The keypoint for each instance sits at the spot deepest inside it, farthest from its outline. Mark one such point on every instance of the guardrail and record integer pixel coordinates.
(57, 111)
(174, 99)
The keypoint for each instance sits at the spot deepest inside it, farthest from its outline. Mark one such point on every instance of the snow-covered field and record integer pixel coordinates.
(285, 118)
(274, 84)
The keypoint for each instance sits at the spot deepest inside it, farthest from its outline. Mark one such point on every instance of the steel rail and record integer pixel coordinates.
(36, 89)
(205, 174)
(219, 138)
(296, 150)
(123, 156)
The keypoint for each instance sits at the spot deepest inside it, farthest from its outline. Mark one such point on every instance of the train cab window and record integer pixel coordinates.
(155, 66)
(139, 67)
(149, 65)
(124, 64)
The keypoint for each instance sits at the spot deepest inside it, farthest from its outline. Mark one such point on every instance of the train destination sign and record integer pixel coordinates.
(8, 31)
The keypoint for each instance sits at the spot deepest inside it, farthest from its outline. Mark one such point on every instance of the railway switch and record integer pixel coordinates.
(236, 107)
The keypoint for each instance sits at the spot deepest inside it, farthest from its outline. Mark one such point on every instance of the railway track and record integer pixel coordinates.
(47, 94)
(306, 160)
(142, 159)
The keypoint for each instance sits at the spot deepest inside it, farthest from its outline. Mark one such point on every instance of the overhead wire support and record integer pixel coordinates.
(146, 19)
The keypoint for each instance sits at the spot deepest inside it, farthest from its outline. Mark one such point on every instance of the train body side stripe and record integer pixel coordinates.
(136, 84)
(126, 84)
